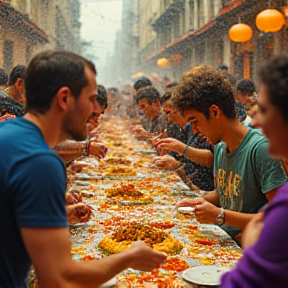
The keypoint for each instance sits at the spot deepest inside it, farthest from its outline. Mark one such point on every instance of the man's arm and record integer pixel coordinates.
(50, 251)
(212, 197)
(69, 151)
(237, 219)
(206, 211)
(201, 156)
(269, 195)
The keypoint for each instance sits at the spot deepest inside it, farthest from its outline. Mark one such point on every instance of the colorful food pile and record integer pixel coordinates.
(127, 192)
(116, 161)
(122, 238)
(120, 171)
(175, 264)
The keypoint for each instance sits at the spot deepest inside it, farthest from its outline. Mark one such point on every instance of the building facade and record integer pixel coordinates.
(30, 26)
(193, 32)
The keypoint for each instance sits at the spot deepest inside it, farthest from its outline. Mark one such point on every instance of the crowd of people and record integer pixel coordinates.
(226, 142)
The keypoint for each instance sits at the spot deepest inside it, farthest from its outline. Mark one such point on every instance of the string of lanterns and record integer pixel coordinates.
(268, 21)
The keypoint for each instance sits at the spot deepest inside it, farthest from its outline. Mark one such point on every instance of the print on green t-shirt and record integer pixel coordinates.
(244, 176)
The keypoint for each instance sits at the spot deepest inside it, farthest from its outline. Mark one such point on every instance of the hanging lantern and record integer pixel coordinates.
(270, 20)
(240, 32)
(176, 58)
(162, 62)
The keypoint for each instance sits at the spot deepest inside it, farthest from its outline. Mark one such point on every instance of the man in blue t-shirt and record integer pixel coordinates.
(246, 177)
(61, 93)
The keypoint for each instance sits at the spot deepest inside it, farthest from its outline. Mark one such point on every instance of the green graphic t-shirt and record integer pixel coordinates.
(245, 175)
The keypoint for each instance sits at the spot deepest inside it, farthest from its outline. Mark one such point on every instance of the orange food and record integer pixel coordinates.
(162, 225)
(176, 264)
(205, 241)
(88, 257)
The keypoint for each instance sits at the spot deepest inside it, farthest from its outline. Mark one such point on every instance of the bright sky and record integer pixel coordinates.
(101, 19)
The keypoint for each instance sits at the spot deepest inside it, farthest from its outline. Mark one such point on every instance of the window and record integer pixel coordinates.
(211, 9)
(191, 14)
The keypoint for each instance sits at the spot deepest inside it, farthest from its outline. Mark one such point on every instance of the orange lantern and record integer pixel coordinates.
(162, 62)
(270, 20)
(240, 32)
(176, 58)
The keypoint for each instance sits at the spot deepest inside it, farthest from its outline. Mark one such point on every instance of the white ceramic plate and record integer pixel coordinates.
(204, 275)
(186, 210)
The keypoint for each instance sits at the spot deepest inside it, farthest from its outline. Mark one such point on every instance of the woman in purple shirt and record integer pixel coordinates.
(265, 239)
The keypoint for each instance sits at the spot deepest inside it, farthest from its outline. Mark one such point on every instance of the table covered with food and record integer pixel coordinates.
(134, 200)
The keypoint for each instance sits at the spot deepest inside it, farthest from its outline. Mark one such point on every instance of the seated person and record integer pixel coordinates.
(71, 150)
(245, 91)
(195, 175)
(148, 101)
(142, 82)
(12, 99)
(3, 79)
(246, 177)
(264, 262)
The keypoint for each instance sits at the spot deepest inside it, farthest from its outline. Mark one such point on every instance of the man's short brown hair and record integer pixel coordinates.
(48, 72)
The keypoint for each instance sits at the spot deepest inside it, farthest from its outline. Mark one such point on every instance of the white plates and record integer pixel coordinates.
(205, 275)
(186, 210)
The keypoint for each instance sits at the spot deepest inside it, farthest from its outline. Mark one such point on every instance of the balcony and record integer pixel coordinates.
(169, 15)
(21, 23)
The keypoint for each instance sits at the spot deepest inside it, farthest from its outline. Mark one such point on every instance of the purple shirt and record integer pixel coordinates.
(266, 263)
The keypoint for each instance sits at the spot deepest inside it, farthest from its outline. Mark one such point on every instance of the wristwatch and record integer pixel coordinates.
(220, 218)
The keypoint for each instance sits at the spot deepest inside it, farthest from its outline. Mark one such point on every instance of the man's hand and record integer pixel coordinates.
(166, 162)
(171, 144)
(141, 133)
(205, 212)
(79, 212)
(73, 197)
(252, 231)
(188, 202)
(98, 149)
(93, 123)
(144, 257)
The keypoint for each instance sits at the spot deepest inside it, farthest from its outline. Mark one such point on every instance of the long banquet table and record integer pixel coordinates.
(203, 244)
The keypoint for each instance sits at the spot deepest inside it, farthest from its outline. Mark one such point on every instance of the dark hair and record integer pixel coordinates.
(171, 85)
(102, 96)
(241, 111)
(274, 75)
(203, 88)
(113, 90)
(150, 94)
(18, 72)
(223, 67)
(142, 82)
(3, 77)
(246, 86)
(165, 97)
(51, 70)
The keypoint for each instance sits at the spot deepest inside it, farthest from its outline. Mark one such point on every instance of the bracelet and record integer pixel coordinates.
(185, 150)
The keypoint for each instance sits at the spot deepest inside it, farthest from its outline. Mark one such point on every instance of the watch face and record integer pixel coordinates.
(220, 220)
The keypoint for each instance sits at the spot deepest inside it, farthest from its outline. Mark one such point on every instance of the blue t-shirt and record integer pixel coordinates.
(32, 195)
